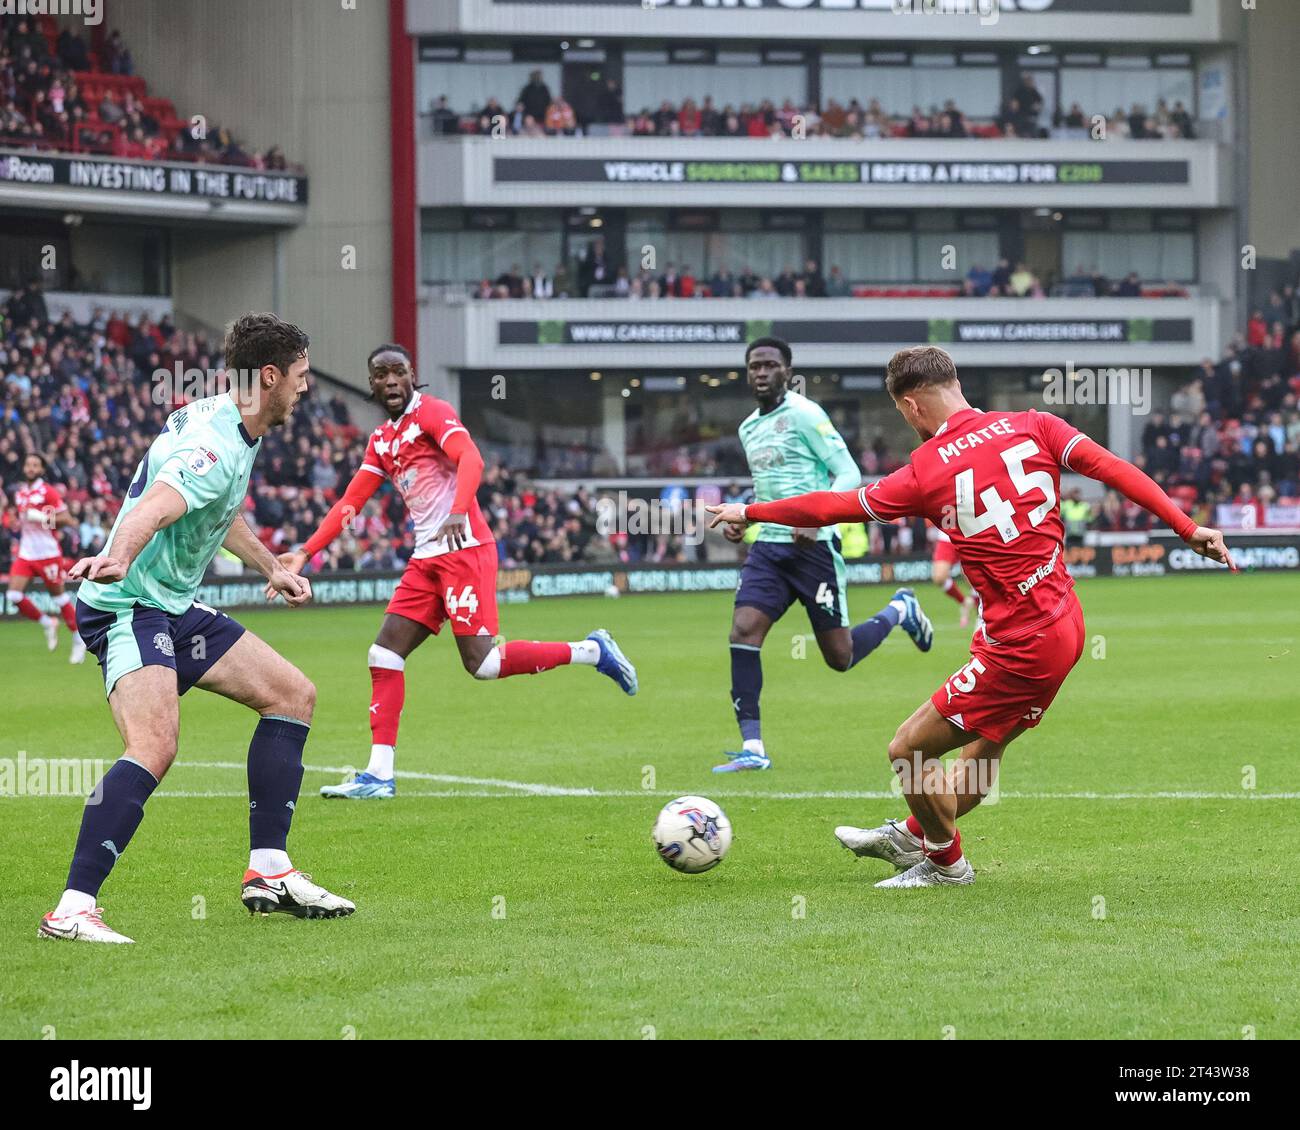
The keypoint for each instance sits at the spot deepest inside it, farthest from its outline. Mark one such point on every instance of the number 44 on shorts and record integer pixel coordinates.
(467, 601)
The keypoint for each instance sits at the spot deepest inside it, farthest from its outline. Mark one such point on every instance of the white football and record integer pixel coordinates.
(692, 834)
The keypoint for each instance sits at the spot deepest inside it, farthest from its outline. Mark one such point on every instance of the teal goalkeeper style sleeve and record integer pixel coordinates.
(829, 446)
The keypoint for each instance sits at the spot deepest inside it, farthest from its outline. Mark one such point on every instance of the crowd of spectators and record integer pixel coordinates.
(1232, 432)
(61, 94)
(595, 276)
(538, 112)
(87, 398)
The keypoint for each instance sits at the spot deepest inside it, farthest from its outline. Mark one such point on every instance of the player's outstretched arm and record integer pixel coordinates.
(1089, 458)
(158, 508)
(359, 491)
(820, 508)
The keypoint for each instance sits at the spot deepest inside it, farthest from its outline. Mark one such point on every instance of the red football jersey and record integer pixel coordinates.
(408, 451)
(37, 540)
(992, 482)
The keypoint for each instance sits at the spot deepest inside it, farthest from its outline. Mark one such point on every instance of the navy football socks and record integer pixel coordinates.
(870, 634)
(746, 685)
(274, 778)
(112, 814)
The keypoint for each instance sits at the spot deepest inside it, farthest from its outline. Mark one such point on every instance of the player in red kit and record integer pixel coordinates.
(41, 510)
(992, 480)
(943, 558)
(425, 452)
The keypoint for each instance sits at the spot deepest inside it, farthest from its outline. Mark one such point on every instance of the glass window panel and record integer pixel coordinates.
(469, 85)
(1157, 256)
(1104, 89)
(971, 247)
(647, 87)
(469, 256)
(975, 90)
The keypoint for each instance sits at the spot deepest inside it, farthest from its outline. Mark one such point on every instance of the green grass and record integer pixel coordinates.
(599, 939)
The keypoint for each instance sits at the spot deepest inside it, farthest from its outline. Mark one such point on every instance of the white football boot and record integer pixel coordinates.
(292, 893)
(50, 625)
(927, 874)
(891, 842)
(83, 926)
(78, 651)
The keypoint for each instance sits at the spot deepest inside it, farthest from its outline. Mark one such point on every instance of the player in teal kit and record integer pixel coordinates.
(137, 614)
(792, 447)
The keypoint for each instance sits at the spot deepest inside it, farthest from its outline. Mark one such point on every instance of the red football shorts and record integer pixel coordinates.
(460, 587)
(1009, 685)
(945, 551)
(49, 569)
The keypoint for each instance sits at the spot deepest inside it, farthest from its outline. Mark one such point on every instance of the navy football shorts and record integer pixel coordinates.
(142, 636)
(776, 574)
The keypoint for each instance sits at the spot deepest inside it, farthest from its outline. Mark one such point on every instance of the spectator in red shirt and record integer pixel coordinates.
(1256, 330)
(689, 119)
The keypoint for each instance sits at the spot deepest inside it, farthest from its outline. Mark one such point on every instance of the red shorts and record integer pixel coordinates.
(1010, 685)
(49, 569)
(460, 587)
(945, 551)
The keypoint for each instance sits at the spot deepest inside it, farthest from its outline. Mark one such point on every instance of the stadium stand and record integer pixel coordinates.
(536, 113)
(60, 94)
(83, 397)
(1004, 280)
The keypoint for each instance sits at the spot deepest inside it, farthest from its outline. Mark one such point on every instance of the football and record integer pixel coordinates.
(691, 834)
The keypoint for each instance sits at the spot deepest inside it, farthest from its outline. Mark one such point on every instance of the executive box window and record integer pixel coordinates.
(931, 80)
(1157, 246)
(731, 78)
(104, 258)
(744, 237)
(897, 247)
(469, 245)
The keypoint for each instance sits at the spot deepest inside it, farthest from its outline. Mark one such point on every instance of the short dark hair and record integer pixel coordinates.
(920, 366)
(782, 347)
(254, 340)
(389, 347)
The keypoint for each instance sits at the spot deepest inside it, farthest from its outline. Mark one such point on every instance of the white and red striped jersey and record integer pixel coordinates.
(37, 504)
(408, 451)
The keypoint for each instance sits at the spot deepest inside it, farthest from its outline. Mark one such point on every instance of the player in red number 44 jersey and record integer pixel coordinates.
(992, 480)
(427, 454)
(41, 510)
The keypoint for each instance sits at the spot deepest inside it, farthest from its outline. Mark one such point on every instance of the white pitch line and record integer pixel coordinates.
(468, 794)
(526, 789)
(442, 778)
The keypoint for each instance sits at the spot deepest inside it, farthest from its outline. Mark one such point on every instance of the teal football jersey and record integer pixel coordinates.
(205, 453)
(795, 449)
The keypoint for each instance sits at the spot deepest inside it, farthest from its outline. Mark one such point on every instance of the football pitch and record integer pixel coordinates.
(1136, 877)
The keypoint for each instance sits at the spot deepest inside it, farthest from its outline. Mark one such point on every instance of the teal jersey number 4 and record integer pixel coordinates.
(206, 455)
(795, 449)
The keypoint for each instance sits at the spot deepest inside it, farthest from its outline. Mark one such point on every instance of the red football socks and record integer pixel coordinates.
(528, 657)
(388, 693)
